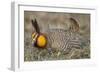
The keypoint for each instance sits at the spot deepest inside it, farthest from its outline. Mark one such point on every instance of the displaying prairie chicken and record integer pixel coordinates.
(58, 39)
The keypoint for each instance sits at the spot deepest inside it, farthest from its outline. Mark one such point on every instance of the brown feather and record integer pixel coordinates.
(74, 25)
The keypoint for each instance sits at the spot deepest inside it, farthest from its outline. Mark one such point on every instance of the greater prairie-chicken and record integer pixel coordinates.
(58, 39)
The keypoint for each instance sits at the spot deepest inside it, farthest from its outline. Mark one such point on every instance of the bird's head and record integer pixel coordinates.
(34, 37)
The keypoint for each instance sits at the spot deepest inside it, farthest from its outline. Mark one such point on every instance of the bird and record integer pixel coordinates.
(58, 39)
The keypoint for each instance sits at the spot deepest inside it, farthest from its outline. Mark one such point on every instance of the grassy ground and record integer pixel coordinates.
(32, 53)
(36, 54)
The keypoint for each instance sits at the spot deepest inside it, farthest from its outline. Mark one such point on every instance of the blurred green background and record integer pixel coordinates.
(54, 20)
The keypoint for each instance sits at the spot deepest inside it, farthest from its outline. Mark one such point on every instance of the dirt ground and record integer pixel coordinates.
(54, 20)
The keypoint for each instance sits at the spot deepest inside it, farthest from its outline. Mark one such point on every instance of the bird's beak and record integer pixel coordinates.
(33, 41)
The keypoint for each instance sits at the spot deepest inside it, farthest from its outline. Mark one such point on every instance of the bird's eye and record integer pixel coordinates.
(33, 35)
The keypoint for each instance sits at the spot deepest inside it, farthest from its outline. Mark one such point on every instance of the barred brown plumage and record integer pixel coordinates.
(63, 40)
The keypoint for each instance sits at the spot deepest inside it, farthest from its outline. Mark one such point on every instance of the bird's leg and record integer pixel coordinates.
(50, 51)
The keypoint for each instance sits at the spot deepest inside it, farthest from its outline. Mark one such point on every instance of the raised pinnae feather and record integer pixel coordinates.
(35, 25)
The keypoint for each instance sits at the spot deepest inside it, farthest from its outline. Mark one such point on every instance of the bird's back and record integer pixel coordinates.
(63, 40)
